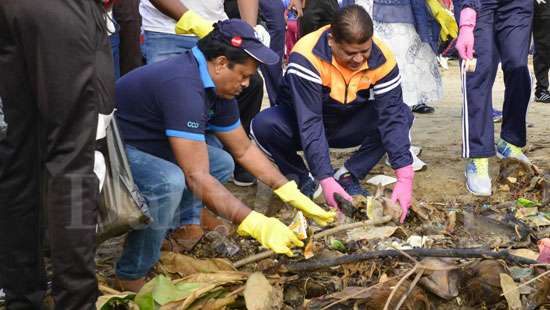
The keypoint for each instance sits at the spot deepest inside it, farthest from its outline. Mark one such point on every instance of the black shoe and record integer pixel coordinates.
(422, 108)
(352, 185)
(310, 188)
(242, 177)
(542, 96)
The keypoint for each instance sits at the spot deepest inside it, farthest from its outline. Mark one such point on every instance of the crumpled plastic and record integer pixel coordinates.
(3, 124)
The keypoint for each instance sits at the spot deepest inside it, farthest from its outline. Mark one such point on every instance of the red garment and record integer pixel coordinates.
(291, 36)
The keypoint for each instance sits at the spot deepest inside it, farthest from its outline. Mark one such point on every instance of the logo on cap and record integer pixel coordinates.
(236, 41)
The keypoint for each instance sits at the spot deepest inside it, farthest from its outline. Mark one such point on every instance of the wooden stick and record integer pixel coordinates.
(462, 253)
(419, 274)
(526, 283)
(394, 290)
(325, 233)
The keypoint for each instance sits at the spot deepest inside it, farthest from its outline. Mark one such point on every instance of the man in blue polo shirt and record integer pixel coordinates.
(165, 111)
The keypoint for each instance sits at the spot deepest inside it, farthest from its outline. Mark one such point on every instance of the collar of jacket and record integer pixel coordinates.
(323, 51)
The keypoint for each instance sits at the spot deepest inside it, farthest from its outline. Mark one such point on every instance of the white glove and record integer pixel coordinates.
(264, 36)
(541, 1)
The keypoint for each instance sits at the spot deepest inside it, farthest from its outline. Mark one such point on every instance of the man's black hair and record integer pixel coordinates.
(352, 24)
(212, 48)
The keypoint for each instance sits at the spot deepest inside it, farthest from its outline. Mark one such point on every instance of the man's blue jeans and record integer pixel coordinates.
(158, 46)
(171, 204)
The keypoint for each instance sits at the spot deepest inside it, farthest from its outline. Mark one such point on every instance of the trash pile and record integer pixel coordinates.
(447, 256)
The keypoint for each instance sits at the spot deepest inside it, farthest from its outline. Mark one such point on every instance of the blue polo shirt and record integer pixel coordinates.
(171, 98)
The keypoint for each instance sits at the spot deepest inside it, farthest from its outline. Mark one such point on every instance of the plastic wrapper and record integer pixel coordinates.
(299, 225)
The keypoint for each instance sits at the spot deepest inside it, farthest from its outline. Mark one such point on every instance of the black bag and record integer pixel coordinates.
(122, 207)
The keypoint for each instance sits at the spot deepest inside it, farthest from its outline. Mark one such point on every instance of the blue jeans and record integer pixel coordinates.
(171, 204)
(158, 46)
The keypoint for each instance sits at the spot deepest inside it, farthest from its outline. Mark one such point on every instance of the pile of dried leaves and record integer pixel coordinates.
(447, 256)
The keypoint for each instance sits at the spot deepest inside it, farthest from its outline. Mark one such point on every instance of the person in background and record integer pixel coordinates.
(193, 20)
(57, 76)
(273, 13)
(487, 30)
(126, 15)
(317, 13)
(414, 30)
(541, 58)
(292, 13)
(164, 111)
(342, 89)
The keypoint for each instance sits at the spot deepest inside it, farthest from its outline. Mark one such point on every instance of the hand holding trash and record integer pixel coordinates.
(402, 191)
(465, 41)
(331, 187)
(290, 194)
(192, 23)
(270, 232)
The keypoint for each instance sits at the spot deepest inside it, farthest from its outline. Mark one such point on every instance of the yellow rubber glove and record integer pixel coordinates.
(290, 194)
(192, 23)
(270, 232)
(445, 18)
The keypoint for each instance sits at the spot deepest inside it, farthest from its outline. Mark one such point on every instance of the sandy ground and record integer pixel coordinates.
(440, 136)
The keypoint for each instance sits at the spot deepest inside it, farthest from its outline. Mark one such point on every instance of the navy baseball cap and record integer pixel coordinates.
(238, 33)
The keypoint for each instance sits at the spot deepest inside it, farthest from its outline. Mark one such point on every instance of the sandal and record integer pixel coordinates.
(422, 108)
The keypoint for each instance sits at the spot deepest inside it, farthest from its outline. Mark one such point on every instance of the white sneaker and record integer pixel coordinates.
(418, 164)
(478, 181)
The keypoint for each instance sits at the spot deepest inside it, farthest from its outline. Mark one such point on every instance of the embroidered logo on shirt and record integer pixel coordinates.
(191, 124)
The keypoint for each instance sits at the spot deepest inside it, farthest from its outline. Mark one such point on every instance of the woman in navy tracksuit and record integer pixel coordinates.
(492, 30)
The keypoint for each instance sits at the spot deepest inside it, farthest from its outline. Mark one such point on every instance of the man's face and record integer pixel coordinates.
(351, 55)
(231, 80)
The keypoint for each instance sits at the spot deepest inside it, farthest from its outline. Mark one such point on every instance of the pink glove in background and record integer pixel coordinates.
(544, 251)
(330, 187)
(402, 191)
(465, 41)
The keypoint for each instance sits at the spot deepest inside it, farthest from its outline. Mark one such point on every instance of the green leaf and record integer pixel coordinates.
(144, 298)
(165, 291)
(337, 245)
(526, 203)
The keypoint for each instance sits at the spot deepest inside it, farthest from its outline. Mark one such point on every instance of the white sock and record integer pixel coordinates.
(340, 172)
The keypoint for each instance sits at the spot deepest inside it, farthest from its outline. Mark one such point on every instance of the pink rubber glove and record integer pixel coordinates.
(465, 41)
(330, 187)
(402, 191)
(544, 251)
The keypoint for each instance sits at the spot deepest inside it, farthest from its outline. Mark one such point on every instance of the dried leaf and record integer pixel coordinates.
(451, 221)
(257, 293)
(220, 278)
(443, 283)
(186, 265)
(511, 293)
(522, 213)
(525, 253)
(308, 249)
(538, 220)
(371, 233)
